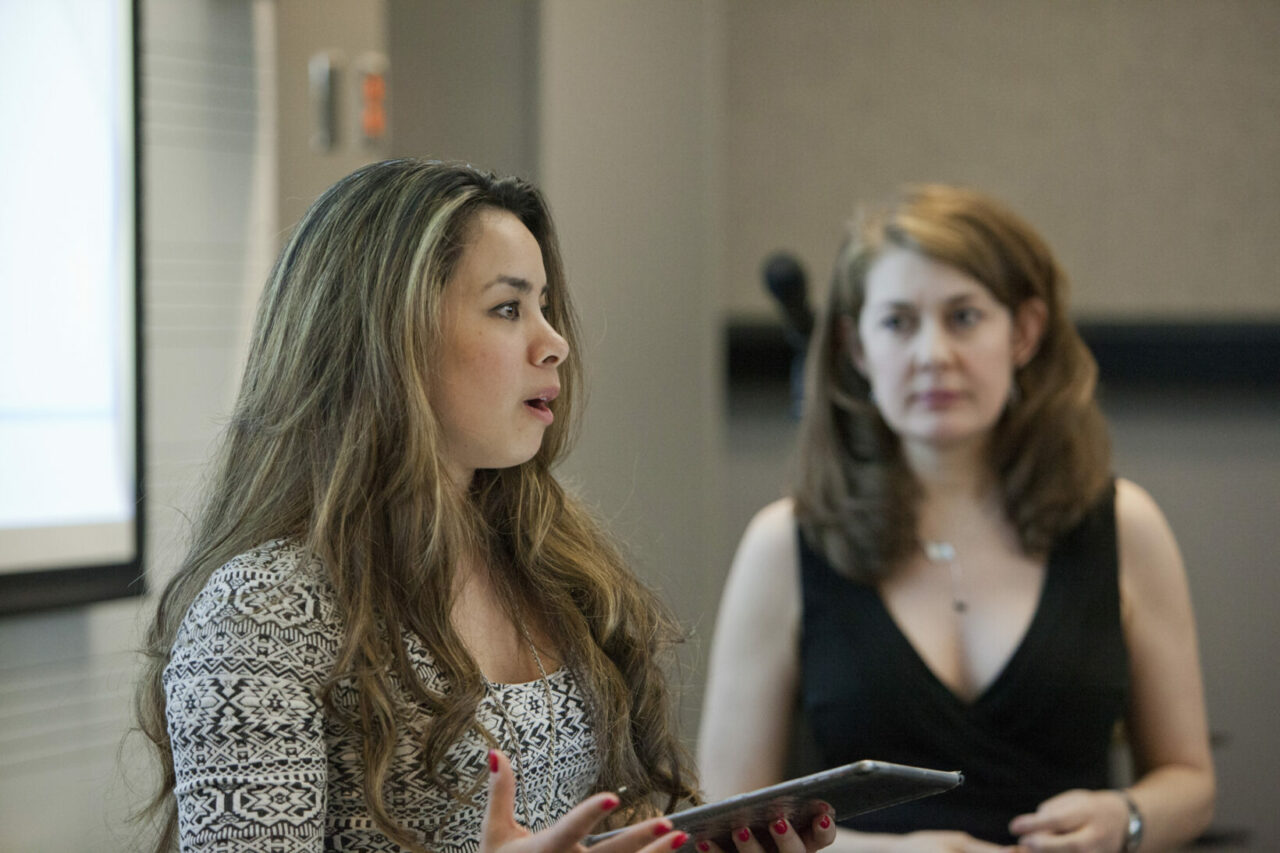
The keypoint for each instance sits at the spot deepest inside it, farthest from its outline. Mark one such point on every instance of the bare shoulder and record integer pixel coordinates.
(1149, 557)
(774, 523)
(1135, 506)
(767, 551)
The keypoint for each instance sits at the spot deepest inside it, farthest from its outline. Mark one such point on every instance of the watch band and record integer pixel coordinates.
(1133, 835)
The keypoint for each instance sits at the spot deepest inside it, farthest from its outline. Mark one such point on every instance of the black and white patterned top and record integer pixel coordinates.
(262, 766)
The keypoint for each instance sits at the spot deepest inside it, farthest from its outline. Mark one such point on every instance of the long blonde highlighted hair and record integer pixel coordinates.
(333, 442)
(855, 497)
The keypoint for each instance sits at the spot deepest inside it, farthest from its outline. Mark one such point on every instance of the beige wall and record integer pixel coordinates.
(350, 32)
(1143, 138)
(465, 82)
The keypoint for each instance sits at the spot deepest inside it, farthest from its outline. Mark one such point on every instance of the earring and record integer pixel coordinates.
(1015, 393)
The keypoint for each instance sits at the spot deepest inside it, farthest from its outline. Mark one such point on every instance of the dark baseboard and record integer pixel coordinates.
(1238, 355)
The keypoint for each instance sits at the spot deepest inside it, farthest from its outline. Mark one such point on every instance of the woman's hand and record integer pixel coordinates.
(1076, 821)
(499, 832)
(786, 838)
(820, 833)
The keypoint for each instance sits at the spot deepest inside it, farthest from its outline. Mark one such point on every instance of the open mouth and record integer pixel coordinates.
(542, 400)
(540, 404)
(540, 408)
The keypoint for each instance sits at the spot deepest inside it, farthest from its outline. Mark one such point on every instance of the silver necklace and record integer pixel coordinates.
(945, 552)
(514, 734)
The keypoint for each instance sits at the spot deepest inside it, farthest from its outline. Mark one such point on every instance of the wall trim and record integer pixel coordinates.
(1236, 354)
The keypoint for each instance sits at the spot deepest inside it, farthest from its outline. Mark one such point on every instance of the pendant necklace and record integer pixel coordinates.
(522, 766)
(945, 553)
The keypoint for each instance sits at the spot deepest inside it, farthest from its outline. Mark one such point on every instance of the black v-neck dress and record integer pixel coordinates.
(1043, 726)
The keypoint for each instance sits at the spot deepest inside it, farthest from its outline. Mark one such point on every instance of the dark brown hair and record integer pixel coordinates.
(855, 498)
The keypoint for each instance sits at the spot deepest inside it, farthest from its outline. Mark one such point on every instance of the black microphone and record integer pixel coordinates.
(786, 280)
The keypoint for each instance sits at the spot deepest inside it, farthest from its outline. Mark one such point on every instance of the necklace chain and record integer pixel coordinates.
(938, 551)
(513, 732)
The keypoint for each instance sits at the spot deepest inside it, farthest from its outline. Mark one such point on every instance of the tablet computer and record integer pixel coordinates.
(849, 790)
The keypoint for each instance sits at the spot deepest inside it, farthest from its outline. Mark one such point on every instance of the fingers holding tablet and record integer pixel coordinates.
(820, 832)
(807, 839)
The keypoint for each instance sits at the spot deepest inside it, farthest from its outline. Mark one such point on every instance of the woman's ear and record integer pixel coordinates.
(1029, 323)
(850, 343)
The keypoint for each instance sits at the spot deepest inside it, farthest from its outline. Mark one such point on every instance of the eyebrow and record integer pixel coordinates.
(520, 284)
(955, 299)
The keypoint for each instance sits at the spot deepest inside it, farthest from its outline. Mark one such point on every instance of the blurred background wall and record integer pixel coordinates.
(679, 143)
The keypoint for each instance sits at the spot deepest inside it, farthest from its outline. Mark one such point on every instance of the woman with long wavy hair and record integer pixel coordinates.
(956, 579)
(393, 629)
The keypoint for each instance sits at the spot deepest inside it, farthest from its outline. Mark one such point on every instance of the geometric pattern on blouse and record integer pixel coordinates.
(262, 766)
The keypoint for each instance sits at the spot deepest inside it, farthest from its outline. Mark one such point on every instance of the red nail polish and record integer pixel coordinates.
(661, 828)
(608, 804)
(825, 822)
(704, 847)
(744, 834)
(678, 840)
(493, 761)
(780, 827)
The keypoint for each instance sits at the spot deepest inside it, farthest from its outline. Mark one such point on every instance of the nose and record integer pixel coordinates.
(933, 344)
(550, 348)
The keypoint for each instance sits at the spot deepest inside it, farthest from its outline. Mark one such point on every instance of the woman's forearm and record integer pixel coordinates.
(1176, 802)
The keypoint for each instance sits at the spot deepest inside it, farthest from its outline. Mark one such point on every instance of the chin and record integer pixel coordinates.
(518, 459)
(944, 436)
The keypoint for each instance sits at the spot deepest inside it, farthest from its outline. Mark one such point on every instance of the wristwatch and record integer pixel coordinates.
(1133, 836)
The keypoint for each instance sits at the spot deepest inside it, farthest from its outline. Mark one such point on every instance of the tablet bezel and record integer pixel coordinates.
(846, 791)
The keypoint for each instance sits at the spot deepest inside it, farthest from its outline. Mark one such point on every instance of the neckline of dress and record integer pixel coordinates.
(1007, 669)
(554, 675)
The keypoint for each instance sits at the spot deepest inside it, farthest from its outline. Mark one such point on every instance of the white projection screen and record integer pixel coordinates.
(70, 444)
